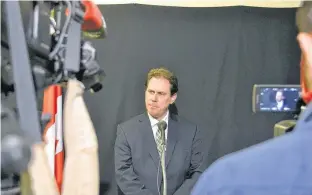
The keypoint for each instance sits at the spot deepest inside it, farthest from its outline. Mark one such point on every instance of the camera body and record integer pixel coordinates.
(38, 50)
(43, 36)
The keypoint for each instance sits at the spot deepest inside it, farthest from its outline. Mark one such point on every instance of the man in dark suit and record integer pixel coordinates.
(137, 161)
(280, 103)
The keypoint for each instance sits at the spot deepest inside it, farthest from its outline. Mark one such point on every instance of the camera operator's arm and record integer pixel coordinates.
(81, 172)
(42, 180)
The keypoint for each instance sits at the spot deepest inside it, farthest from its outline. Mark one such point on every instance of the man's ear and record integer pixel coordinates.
(173, 98)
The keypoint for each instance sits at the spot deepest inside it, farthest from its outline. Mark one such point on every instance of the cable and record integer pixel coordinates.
(163, 167)
(63, 32)
(158, 176)
(53, 23)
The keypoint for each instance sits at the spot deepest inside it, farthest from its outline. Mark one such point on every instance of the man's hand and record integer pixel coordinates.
(305, 42)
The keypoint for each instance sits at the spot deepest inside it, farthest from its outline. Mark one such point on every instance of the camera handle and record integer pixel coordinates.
(22, 73)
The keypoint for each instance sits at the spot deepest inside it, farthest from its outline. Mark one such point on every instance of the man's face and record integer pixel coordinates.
(279, 96)
(158, 97)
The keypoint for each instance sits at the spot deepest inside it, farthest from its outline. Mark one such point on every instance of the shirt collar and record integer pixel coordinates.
(155, 121)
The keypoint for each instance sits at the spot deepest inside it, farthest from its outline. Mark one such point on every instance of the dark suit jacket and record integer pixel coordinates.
(137, 159)
(283, 108)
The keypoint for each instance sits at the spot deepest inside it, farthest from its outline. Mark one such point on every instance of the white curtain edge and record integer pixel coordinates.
(211, 3)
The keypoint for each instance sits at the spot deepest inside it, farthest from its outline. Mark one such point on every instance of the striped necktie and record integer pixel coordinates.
(159, 141)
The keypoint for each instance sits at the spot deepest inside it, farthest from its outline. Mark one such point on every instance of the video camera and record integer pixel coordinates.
(41, 45)
(279, 99)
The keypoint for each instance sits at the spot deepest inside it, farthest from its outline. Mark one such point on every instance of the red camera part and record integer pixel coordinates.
(93, 19)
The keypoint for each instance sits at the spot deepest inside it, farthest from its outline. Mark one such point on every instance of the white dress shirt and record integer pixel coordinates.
(280, 105)
(154, 124)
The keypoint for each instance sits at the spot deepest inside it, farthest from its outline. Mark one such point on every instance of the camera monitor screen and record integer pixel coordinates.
(275, 98)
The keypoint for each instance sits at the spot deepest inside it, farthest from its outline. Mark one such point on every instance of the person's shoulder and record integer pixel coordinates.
(185, 126)
(133, 120)
(182, 120)
(268, 162)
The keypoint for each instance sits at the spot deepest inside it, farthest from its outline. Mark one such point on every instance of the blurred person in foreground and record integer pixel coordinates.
(282, 165)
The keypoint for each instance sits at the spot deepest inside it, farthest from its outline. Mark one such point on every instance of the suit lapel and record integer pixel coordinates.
(149, 141)
(172, 137)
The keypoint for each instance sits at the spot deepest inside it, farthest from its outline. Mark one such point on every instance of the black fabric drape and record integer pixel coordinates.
(218, 54)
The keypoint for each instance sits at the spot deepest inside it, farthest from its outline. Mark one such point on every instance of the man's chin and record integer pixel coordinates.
(153, 113)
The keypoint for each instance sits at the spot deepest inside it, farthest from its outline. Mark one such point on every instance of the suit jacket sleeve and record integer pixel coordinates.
(196, 167)
(126, 179)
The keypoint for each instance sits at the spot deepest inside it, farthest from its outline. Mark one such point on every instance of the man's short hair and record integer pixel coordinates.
(304, 17)
(280, 91)
(164, 73)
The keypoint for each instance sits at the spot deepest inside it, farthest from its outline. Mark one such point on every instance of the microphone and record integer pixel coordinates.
(162, 125)
(15, 149)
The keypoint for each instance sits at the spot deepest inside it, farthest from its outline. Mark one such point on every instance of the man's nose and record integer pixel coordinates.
(154, 98)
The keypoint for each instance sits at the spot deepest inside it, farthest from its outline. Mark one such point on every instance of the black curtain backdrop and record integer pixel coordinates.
(218, 54)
